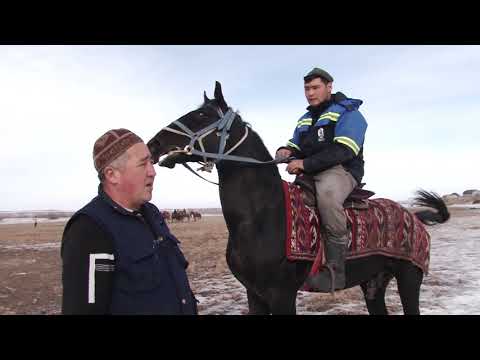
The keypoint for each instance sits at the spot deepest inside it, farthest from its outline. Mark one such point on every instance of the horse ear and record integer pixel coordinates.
(219, 96)
(205, 97)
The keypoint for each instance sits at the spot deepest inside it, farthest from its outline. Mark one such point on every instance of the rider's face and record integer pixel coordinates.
(317, 92)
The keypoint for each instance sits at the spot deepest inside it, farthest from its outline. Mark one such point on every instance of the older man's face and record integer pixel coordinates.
(137, 177)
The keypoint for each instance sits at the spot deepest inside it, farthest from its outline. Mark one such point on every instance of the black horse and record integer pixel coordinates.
(252, 200)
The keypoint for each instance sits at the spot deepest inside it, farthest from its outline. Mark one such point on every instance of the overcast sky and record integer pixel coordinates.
(420, 102)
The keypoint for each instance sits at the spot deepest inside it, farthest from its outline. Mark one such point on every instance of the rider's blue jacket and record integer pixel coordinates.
(330, 134)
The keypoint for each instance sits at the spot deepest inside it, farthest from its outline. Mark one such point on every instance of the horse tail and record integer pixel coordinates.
(431, 200)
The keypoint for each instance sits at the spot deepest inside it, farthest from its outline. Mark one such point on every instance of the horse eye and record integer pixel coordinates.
(201, 114)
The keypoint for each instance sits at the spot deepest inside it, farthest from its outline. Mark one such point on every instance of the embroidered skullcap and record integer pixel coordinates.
(111, 145)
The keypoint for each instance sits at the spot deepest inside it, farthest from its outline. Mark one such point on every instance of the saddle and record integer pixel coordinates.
(358, 198)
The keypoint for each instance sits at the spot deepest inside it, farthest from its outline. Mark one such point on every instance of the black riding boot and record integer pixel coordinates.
(332, 277)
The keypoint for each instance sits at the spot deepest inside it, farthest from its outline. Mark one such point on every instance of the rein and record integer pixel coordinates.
(223, 124)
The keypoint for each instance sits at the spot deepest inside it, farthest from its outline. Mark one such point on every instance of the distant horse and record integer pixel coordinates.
(186, 215)
(179, 215)
(252, 200)
(166, 215)
(195, 215)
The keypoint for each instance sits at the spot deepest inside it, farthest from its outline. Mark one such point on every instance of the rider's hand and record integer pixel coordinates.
(283, 153)
(295, 167)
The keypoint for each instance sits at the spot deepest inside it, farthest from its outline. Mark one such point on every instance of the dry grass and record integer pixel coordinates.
(204, 244)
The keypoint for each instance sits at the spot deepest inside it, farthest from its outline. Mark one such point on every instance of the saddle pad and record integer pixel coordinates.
(384, 228)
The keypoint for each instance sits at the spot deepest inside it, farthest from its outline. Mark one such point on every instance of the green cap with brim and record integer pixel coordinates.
(319, 72)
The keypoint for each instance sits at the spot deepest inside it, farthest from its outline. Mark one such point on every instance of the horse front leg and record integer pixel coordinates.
(256, 306)
(283, 302)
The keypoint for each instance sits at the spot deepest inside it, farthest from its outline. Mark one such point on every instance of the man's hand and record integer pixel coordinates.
(283, 153)
(295, 167)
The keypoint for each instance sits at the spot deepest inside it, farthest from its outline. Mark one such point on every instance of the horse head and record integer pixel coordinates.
(204, 130)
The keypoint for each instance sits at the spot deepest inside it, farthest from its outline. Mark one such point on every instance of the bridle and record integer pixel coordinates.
(222, 128)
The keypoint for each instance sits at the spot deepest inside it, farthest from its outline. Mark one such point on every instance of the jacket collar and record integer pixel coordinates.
(117, 207)
(337, 98)
(317, 110)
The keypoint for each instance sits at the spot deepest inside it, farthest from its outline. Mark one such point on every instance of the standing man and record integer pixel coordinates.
(328, 144)
(118, 254)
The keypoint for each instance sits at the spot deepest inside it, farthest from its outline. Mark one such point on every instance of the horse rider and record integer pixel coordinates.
(328, 144)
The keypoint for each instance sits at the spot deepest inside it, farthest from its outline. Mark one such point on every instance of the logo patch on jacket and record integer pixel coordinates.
(321, 135)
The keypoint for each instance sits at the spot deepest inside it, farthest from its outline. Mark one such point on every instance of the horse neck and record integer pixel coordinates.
(253, 208)
(252, 187)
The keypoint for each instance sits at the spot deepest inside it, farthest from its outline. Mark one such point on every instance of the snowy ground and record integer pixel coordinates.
(12, 221)
(452, 286)
(30, 271)
(31, 220)
(465, 206)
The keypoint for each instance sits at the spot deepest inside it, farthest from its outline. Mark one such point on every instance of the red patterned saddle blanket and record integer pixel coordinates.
(383, 228)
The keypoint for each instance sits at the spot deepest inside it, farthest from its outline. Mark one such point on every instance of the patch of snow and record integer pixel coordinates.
(468, 206)
(31, 220)
(43, 246)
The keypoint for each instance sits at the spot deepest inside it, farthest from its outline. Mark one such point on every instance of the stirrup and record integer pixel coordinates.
(331, 272)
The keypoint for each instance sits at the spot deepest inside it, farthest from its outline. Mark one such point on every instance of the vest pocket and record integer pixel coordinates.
(140, 274)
